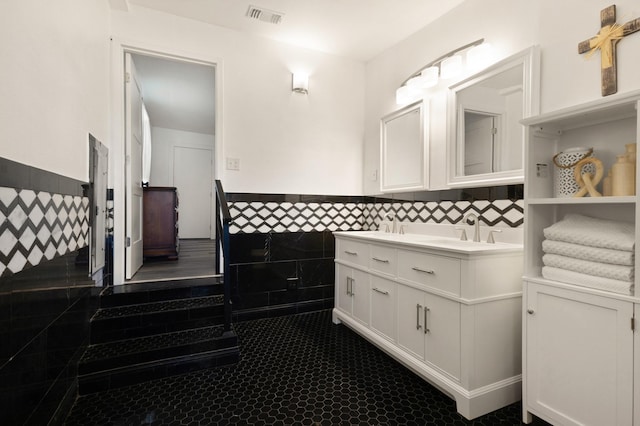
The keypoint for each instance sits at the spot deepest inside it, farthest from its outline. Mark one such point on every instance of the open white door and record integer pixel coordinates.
(98, 169)
(133, 169)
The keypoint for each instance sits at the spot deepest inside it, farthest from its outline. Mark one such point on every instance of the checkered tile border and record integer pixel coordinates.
(250, 217)
(39, 225)
(266, 217)
(499, 212)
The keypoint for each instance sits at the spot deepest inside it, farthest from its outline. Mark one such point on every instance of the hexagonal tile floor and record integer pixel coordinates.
(299, 369)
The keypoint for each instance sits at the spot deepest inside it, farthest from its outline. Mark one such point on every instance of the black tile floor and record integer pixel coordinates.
(299, 369)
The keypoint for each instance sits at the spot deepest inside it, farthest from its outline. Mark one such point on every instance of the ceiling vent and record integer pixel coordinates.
(264, 15)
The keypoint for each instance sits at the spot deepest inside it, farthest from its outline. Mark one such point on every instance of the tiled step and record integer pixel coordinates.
(145, 319)
(131, 294)
(122, 363)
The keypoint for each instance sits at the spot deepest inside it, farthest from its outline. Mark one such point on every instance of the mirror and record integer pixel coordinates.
(403, 142)
(485, 139)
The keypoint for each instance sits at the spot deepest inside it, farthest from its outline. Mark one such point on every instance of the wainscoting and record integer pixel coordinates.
(282, 245)
(46, 296)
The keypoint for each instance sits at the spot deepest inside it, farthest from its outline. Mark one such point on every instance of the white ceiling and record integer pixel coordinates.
(180, 96)
(359, 29)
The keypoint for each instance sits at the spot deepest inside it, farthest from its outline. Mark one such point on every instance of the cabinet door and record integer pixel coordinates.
(343, 288)
(636, 370)
(360, 295)
(442, 326)
(410, 309)
(383, 312)
(579, 357)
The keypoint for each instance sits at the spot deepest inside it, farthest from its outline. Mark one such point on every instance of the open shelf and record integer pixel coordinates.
(583, 200)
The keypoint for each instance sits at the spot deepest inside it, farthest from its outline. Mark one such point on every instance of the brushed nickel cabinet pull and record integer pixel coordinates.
(380, 260)
(349, 286)
(426, 321)
(418, 309)
(386, 293)
(426, 271)
(352, 253)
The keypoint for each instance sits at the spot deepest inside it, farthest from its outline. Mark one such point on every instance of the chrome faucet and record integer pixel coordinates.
(476, 223)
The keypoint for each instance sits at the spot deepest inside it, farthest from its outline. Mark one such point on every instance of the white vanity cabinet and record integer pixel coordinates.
(443, 312)
(352, 293)
(352, 284)
(383, 302)
(429, 329)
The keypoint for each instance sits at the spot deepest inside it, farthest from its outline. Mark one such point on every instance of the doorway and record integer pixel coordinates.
(180, 98)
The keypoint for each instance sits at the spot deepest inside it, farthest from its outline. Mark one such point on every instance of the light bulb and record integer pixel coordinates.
(479, 57)
(451, 67)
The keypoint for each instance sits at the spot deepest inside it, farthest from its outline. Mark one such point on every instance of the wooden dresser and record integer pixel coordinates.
(160, 222)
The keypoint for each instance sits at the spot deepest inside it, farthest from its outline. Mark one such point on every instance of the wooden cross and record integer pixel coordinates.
(608, 37)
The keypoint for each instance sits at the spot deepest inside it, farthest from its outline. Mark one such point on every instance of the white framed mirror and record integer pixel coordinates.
(403, 142)
(485, 140)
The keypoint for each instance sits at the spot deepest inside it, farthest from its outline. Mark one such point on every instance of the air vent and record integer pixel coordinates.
(264, 15)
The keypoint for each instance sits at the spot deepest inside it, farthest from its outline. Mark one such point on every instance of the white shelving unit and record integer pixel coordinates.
(579, 364)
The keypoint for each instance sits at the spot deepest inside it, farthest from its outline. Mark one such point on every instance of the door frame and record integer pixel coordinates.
(117, 167)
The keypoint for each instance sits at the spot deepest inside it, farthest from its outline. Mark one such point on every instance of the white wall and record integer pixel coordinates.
(286, 142)
(510, 26)
(163, 143)
(55, 82)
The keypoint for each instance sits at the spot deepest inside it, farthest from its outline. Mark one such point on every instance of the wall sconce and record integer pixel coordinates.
(300, 83)
(479, 55)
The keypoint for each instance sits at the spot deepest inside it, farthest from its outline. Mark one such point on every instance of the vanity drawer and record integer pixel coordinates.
(353, 252)
(383, 259)
(442, 273)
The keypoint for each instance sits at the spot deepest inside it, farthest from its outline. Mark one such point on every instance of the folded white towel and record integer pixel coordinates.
(614, 272)
(596, 254)
(571, 277)
(590, 231)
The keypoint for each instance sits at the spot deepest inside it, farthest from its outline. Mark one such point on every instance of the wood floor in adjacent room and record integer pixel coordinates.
(196, 259)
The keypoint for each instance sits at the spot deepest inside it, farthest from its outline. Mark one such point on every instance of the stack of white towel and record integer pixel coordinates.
(590, 252)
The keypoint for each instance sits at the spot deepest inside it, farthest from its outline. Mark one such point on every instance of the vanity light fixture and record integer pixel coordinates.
(300, 83)
(430, 76)
(451, 67)
(446, 66)
(407, 94)
(479, 57)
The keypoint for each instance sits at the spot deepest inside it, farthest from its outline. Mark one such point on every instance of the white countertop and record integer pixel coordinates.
(433, 242)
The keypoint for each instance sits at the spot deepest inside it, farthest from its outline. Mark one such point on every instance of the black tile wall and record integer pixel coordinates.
(44, 315)
(281, 273)
(282, 245)
(20, 176)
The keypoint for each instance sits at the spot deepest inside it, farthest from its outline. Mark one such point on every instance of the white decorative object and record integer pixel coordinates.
(564, 180)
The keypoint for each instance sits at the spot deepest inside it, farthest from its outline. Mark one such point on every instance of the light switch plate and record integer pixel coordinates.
(233, 163)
